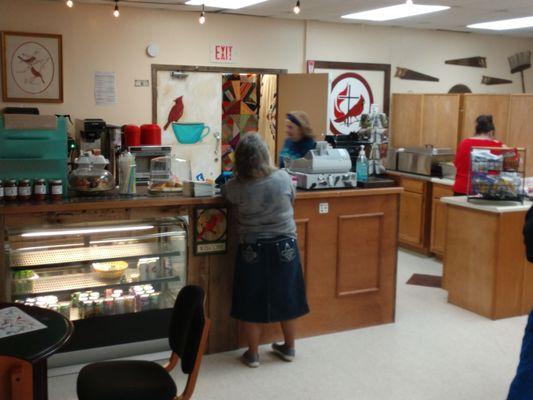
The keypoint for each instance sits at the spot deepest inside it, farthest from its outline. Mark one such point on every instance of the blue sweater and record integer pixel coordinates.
(294, 150)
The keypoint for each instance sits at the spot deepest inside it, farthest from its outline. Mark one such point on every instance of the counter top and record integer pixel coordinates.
(440, 181)
(492, 206)
(117, 201)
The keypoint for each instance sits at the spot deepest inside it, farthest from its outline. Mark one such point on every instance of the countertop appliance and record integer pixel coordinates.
(91, 132)
(323, 168)
(352, 144)
(143, 156)
(424, 160)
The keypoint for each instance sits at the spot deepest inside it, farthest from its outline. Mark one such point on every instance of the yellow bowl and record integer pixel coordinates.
(110, 270)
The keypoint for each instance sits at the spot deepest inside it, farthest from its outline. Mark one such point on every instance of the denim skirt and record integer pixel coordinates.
(268, 284)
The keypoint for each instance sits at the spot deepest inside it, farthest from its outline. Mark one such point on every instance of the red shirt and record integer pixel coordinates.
(462, 160)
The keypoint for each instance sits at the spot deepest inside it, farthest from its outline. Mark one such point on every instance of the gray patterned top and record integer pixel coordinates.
(264, 207)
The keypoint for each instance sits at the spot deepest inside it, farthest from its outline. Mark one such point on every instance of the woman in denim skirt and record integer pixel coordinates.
(268, 283)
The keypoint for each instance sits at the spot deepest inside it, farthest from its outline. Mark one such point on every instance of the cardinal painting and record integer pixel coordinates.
(176, 112)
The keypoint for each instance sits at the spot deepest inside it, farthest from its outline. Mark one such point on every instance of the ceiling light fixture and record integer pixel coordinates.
(228, 4)
(505, 24)
(201, 20)
(116, 12)
(69, 3)
(297, 8)
(408, 9)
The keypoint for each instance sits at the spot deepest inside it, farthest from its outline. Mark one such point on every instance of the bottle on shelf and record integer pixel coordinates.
(361, 167)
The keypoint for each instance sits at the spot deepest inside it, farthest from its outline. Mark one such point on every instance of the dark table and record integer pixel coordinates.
(35, 347)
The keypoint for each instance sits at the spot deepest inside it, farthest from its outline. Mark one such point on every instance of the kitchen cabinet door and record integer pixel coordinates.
(521, 126)
(406, 118)
(303, 92)
(412, 219)
(438, 219)
(440, 120)
(475, 105)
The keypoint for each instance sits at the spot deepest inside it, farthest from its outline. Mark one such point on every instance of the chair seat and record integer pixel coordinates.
(125, 380)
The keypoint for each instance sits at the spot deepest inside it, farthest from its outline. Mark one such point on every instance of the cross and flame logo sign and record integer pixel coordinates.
(351, 97)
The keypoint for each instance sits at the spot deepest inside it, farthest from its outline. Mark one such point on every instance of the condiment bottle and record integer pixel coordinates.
(10, 190)
(39, 189)
(24, 190)
(56, 189)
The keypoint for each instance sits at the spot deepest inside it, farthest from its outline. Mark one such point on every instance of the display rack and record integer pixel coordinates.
(497, 174)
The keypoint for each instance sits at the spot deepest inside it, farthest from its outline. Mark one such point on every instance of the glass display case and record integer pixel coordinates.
(100, 271)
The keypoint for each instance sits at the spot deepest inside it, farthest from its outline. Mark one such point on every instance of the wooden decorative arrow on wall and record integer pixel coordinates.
(489, 80)
(476, 62)
(408, 74)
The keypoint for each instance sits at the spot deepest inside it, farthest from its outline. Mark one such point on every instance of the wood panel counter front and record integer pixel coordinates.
(485, 266)
(348, 254)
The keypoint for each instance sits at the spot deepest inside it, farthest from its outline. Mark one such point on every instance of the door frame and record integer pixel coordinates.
(195, 68)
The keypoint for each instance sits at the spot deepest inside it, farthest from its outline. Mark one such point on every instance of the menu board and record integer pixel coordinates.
(14, 321)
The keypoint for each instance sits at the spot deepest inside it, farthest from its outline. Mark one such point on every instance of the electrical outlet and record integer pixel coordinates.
(323, 208)
(142, 83)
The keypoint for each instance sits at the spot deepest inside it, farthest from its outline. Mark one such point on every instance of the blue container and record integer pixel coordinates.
(190, 133)
(33, 154)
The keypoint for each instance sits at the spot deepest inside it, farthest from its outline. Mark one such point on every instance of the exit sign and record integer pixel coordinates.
(222, 53)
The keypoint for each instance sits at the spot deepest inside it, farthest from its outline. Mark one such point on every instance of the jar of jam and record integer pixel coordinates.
(1, 190)
(39, 189)
(56, 189)
(24, 190)
(10, 190)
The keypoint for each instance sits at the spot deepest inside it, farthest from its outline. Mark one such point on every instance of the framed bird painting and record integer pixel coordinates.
(32, 67)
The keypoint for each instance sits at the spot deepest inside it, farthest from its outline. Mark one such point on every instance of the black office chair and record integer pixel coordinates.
(142, 380)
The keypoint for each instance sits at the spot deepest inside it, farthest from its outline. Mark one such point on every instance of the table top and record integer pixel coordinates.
(498, 207)
(37, 345)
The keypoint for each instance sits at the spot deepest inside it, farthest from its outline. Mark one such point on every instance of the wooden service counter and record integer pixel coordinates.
(348, 254)
(485, 266)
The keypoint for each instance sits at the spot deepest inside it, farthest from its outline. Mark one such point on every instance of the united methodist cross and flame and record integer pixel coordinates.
(351, 97)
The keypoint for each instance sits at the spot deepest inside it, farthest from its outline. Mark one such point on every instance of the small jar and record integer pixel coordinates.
(10, 190)
(39, 189)
(24, 190)
(1, 191)
(56, 189)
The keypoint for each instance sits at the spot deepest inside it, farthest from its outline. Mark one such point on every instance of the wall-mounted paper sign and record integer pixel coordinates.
(223, 53)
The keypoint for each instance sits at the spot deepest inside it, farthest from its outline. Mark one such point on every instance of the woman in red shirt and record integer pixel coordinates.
(484, 137)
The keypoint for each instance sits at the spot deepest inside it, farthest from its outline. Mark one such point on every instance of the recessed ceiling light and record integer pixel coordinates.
(408, 9)
(505, 24)
(229, 4)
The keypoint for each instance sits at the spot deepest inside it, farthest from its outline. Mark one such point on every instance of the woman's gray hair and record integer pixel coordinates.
(252, 160)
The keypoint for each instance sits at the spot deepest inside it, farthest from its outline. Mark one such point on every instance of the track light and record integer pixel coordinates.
(69, 3)
(297, 8)
(116, 13)
(201, 20)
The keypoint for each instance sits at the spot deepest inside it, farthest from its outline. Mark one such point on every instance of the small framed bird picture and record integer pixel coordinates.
(210, 230)
(32, 67)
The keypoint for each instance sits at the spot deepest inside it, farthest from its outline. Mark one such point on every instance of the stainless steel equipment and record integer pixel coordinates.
(143, 156)
(424, 160)
(323, 168)
(111, 144)
(91, 132)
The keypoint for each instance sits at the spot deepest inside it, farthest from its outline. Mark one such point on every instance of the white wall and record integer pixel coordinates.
(95, 41)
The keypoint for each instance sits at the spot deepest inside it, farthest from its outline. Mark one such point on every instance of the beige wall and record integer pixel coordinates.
(95, 41)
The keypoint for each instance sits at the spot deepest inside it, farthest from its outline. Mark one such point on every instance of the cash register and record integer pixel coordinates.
(323, 168)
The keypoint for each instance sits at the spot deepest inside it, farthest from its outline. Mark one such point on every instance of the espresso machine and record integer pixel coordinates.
(91, 131)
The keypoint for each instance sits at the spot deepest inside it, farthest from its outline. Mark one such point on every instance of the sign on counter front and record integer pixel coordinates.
(210, 230)
(223, 53)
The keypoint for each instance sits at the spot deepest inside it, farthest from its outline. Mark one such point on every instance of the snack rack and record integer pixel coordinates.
(497, 173)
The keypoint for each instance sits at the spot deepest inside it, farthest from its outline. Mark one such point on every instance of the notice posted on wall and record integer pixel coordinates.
(14, 321)
(105, 88)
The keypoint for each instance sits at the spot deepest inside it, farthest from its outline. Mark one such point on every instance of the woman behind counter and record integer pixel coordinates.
(268, 283)
(300, 137)
(484, 137)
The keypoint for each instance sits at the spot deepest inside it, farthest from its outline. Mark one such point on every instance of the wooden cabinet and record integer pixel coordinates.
(420, 119)
(520, 131)
(475, 105)
(414, 214)
(438, 218)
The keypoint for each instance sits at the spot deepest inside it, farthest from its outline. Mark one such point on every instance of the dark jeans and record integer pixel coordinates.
(522, 386)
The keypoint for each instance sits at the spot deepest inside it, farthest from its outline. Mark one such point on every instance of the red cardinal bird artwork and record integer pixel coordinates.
(354, 111)
(210, 226)
(176, 112)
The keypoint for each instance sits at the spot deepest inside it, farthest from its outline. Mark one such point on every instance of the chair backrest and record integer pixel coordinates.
(186, 326)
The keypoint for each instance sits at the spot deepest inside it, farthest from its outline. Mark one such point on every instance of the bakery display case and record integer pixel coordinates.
(95, 273)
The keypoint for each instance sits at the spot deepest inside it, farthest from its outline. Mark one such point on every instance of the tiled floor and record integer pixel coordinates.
(434, 351)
